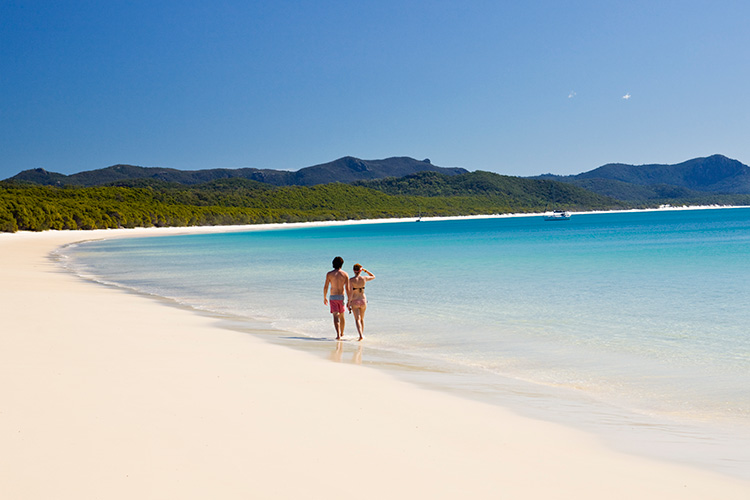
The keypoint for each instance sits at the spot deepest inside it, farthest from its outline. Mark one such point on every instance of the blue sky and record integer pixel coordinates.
(518, 88)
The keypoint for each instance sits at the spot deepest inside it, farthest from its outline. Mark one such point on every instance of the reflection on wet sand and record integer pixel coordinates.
(338, 353)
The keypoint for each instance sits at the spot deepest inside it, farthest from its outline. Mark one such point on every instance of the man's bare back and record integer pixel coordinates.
(338, 281)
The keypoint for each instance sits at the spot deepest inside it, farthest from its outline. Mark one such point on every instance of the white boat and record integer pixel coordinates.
(558, 215)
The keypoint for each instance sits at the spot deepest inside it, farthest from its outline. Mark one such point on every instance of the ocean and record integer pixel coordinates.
(634, 326)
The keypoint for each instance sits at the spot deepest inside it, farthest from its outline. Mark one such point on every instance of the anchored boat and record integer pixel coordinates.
(558, 215)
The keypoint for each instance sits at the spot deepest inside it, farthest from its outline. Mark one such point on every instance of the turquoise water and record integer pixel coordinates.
(609, 320)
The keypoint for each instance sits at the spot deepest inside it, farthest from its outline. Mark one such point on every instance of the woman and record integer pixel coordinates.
(357, 300)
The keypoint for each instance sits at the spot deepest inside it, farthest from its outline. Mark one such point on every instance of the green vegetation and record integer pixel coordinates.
(150, 202)
(153, 202)
(36, 200)
(516, 193)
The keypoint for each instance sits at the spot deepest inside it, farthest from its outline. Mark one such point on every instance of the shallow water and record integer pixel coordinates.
(635, 324)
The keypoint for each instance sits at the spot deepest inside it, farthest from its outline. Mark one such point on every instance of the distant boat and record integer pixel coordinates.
(558, 215)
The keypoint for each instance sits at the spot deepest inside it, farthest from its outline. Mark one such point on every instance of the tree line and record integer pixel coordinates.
(39, 208)
(146, 203)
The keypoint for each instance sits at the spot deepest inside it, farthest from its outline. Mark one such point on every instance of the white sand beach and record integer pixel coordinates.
(107, 394)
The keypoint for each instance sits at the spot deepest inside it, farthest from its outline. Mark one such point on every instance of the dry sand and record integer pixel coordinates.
(106, 394)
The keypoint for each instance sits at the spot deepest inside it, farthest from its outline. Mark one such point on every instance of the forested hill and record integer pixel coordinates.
(347, 169)
(241, 201)
(133, 201)
(694, 178)
(516, 190)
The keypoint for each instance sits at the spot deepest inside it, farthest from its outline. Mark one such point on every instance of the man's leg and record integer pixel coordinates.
(338, 324)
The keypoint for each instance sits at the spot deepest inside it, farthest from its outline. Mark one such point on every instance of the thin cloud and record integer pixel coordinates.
(572, 94)
(626, 96)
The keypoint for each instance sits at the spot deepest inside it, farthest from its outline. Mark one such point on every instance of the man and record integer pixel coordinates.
(338, 280)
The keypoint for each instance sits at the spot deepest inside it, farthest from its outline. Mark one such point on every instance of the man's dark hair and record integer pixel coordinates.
(338, 262)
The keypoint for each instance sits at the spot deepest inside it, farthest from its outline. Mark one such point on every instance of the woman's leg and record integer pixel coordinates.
(359, 319)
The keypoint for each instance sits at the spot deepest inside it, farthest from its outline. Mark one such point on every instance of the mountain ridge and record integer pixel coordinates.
(714, 174)
(347, 169)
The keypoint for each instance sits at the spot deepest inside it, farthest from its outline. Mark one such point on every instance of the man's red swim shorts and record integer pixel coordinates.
(337, 306)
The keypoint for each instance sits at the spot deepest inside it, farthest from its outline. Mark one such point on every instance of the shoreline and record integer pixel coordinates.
(179, 230)
(446, 444)
(693, 442)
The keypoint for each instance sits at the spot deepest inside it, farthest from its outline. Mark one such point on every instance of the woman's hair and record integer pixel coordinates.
(357, 267)
(338, 262)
